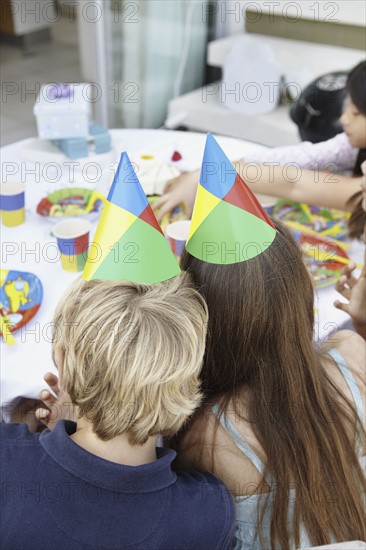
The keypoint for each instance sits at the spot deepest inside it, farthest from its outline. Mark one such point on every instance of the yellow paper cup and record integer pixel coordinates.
(73, 242)
(12, 199)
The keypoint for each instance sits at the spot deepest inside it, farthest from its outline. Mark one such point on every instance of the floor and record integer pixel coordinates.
(21, 75)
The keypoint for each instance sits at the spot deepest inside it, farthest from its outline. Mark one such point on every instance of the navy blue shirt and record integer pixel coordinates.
(57, 496)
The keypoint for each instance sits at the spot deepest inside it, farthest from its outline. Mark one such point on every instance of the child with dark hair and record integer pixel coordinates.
(343, 152)
(281, 423)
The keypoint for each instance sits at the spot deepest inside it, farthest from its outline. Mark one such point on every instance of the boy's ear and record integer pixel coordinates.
(58, 358)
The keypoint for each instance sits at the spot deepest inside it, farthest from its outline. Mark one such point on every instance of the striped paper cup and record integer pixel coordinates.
(12, 196)
(177, 235)
(73, 242)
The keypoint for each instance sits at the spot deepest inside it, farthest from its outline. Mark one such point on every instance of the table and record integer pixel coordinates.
(31, 247)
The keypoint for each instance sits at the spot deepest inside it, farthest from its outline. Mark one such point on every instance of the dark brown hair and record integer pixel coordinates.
(260, 335)
(356, 88)
(357, 221)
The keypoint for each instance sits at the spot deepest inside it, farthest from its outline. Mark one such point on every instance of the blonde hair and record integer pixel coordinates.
(133, 354)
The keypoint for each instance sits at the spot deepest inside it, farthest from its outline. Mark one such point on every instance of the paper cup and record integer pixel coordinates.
(268, 203)
(73, 242)
(12, 195)
(177, 235)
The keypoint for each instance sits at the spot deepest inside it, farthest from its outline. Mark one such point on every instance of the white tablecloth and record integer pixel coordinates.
(30, 247)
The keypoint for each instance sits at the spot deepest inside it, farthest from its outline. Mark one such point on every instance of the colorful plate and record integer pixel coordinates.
(74, 202)
(21, 296)
(326, 222)
(323, 258)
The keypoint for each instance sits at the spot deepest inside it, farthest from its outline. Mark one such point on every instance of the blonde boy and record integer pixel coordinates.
(129, 355)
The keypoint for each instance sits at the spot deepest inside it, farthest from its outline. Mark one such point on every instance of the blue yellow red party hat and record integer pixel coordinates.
(228, 223)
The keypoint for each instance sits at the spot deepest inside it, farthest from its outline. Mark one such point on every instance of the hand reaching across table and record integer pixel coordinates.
(177, 190)
(354, 290)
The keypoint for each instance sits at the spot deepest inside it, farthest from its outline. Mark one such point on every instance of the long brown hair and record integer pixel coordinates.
(260, 335)
(357, 221)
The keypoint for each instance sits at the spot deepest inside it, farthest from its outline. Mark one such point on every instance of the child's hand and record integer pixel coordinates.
(354, 290)
(180, 189)
(55, 407)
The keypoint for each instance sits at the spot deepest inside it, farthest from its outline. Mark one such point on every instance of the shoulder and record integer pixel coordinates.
(341, 142)
(352, 347)
(341, 139)
(17, 436)
(196, 444)
(352, 350)
(17, 433)
(210, 503)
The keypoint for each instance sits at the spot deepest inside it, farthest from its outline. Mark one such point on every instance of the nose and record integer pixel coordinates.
(344, 119)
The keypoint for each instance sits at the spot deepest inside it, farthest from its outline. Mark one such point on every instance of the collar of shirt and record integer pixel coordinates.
(68, 455)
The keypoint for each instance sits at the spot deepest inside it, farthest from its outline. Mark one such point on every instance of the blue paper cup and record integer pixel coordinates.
(12, 202)
(73, 242)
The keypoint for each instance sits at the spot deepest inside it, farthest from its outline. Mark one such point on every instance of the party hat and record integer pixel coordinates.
(129, 243)
(228, 223)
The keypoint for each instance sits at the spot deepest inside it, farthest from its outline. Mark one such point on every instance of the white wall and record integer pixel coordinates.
(351, 12)
(231, 14)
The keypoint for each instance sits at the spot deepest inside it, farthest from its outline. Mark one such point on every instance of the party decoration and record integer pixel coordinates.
(228, 223)
(129, 243)
(176, 156)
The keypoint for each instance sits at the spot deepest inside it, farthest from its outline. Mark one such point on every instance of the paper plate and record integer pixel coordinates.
(327, 222)
(71, 201)
(21, 296)
(152, 172)
(322, 257)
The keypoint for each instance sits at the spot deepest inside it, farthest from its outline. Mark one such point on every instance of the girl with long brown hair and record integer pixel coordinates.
(281, 420)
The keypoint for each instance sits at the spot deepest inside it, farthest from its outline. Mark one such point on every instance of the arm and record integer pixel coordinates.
(313, 187)
(289, 182)
(335, 154)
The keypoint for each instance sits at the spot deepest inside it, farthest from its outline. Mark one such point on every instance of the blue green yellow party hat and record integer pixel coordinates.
(129, 243)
